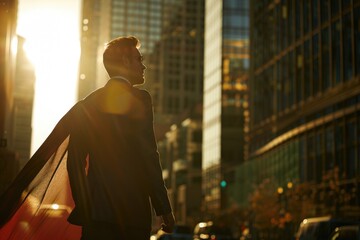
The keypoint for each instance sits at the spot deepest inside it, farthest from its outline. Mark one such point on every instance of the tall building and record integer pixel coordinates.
(8, 20)
(23, 100)
(305, 95)
(177, 83)
(90, 38)
(226, 64)
(180, 152)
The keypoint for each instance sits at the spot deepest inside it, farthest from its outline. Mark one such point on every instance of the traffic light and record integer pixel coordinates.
(223, 183)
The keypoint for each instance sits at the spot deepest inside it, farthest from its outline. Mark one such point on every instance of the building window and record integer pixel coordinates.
(325, 58)
(310, 158)
(196, 160)
(324, 10)
(283, 24)
(279, 87)
(347, 47)
(329, 155)
(315, 15)
(197, 136)
(339, 146)
(298, 19)
(279, 36)
(292, 89)
(306, 16)
(357, 38)
(346, 4)
(351, 148)
(285, 82)
(169, 104)
(316, 77)
(335, 52)
(190, 83)
(335, 7)
(319, 155)
(307, 69)
(196, 180)
(299, 71)
(290, 23)
(176, 105)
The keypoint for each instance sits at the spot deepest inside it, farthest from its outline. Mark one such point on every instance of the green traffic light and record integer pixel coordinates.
(223, 183)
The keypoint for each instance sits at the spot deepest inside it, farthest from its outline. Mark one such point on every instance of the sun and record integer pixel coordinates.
(52, 45)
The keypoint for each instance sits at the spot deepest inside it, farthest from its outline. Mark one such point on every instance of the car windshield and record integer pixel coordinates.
(183, 229)
(220, 230)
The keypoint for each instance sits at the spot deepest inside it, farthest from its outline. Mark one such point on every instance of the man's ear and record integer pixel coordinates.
(125, 61)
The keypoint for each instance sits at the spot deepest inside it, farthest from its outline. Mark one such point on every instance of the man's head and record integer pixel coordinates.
(122, 58)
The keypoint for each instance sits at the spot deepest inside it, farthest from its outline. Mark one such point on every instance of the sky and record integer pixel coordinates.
(51, 29)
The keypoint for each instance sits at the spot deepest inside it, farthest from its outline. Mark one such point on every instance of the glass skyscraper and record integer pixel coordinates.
(305, 93)
(139, 18)
(177, 84)
(226, 63)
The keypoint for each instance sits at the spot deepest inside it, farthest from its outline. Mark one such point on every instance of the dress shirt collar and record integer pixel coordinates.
(122, 78)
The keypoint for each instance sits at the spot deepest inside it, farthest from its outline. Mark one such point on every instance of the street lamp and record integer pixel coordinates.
(283, 194)
(280, 192)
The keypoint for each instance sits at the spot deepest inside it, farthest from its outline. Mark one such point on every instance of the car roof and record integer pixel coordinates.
(316, 219)
(348, 227)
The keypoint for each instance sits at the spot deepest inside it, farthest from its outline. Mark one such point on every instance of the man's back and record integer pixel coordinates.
(116, 175)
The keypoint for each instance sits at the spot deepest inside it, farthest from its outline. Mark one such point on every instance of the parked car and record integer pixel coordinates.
(181, 232)
(346, 233)
(320, 228)
(211, 231)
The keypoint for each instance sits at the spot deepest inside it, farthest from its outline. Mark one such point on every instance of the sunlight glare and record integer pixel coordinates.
(55, 206)
(14, 45)
(52, 45)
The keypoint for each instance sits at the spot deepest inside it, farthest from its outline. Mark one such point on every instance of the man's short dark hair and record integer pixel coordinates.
(116, 50)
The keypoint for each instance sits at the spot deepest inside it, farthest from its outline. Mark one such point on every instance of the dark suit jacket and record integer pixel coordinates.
(113, 163)
(123, 173)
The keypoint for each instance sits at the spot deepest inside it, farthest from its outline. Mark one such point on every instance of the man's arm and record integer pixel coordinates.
(168, 222)
(158, 191)
(76, 164)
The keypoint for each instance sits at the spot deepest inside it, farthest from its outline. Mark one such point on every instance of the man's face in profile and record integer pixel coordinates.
(136, 67)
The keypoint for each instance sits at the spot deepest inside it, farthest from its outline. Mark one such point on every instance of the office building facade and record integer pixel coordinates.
(305, 94)
(8, 49)
(226, 63)
(8, 21)
(178, 82)
(180, 152)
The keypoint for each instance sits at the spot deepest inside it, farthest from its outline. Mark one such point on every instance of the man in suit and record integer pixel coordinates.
(113, 162)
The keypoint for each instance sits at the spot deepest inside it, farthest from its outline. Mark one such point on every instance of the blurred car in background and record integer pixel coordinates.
(346, 233)
(181, 232)
(320, 228)
(211, 231)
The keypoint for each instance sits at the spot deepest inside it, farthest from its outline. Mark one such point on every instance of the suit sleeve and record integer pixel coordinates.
(158, 191)
(76, 164)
